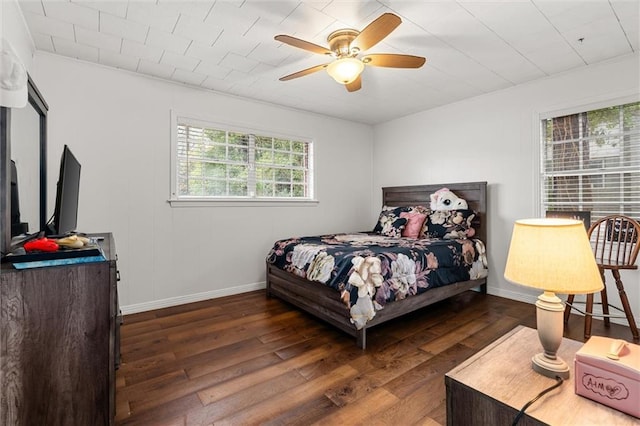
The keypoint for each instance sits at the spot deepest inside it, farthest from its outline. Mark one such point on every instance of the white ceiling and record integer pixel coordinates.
(472, 47)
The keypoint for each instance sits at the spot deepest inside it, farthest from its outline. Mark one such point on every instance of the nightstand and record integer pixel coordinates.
(492, 386)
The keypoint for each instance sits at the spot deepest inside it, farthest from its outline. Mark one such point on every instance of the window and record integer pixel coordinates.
(216, 162)
(591, 161)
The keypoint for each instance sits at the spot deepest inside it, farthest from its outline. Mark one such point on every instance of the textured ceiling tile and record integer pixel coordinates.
(424, 13)
(206, 53)
(117, 8)
(212, 69)
(232, 18)
(142, 51)
(236, 76)
(602, 39)
(99, 40)
(44, 25)
(123, 28)
(517, 69)
(628, 12)
(352, 13)
(188, 77)
(566, 16)
(195, 8)
(117, 60)
(179, 61)
(472, 46)
(306, 21)
(155, 16)
(263, 30)
(634, 39)
(214, 83)
(264, 71)
(167, 41)
(556, 58)
(72, 13)
(157, 70)
(532, 42)
(195, 29)
(31, 6)
(43, 42)
(274, 11)
(510, 19)
(74, 50)
(237, 44)
(269, 54)
(237, 62)
(317, 4)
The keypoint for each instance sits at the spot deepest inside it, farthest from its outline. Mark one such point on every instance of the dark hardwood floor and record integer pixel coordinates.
(246, 359)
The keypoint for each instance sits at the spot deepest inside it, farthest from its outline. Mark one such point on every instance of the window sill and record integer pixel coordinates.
(242, 202)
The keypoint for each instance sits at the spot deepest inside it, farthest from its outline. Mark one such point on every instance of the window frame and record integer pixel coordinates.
(538, 154)
(239, 201)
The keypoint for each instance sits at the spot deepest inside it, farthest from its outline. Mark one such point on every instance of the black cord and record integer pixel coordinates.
(540, 395)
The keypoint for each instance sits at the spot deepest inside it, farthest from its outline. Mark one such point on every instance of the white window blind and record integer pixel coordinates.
(214, 162)
(591, 162)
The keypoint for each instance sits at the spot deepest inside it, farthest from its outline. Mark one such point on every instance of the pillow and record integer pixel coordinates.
(394, 228)
(388, 215)
(450, 224)
(413, 228)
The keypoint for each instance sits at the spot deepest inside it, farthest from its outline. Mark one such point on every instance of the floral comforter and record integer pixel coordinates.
(370, 270)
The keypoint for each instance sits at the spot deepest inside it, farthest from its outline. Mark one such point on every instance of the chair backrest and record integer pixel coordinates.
(614, 240)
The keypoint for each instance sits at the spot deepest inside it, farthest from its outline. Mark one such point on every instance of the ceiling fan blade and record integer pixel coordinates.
(376, 31)
(355, 84)
(391, 60)
(302, 44)
(303, 72)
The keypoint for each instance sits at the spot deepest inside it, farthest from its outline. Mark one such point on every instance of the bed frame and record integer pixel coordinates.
(324, 302)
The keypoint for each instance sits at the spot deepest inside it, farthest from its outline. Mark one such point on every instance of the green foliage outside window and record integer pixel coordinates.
(591, 162)
(219, 163)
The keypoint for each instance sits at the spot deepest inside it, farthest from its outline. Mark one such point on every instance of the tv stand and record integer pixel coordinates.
(58, 334)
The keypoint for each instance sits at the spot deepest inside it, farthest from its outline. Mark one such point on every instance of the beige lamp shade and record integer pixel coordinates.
(552, 255)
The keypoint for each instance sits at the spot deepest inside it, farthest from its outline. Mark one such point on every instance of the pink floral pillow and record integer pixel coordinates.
(414, 224)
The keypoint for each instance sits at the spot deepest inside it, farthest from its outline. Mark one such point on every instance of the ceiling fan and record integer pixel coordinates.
(346, 44)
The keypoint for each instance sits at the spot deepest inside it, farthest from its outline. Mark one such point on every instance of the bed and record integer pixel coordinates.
(328, 302)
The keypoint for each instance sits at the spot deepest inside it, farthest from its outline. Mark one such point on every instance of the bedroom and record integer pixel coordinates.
(118, 123)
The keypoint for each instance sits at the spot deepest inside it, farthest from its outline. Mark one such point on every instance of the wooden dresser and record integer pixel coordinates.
(58, 342)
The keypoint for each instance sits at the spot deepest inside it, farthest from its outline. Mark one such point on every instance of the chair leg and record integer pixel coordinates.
(625, 304)
(567, 308)
(588, 316)
(605, 307)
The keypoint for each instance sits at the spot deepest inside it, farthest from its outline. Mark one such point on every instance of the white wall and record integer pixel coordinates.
(494, 138)
(118, 125)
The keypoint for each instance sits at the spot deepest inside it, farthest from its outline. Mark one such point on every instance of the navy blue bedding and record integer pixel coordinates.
(379, 269)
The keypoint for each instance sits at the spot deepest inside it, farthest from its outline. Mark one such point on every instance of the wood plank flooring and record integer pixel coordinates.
(246, 359)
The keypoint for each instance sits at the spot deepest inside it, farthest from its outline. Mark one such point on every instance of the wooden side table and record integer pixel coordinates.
(493, 385)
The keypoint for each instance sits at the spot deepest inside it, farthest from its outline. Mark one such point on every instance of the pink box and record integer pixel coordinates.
(602, 378)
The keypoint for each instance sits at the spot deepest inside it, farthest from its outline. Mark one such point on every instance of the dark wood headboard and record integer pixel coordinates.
(475, 193)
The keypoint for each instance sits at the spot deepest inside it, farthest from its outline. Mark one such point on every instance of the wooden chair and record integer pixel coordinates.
(615, 242)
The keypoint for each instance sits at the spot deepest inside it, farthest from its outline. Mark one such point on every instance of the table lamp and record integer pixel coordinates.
(553, 255)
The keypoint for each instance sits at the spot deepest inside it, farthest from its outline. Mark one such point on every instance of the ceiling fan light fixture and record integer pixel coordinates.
(345, 70)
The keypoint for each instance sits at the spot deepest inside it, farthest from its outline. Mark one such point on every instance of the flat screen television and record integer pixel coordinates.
(65, 215)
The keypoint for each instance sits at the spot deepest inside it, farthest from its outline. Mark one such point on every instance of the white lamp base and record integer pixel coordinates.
(549, 317)
(550, 367)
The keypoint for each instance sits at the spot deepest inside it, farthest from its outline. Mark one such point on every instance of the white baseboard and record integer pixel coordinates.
(181, 300)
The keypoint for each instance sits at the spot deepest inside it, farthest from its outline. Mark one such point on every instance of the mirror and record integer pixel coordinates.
(23, 138)
(25, 152)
